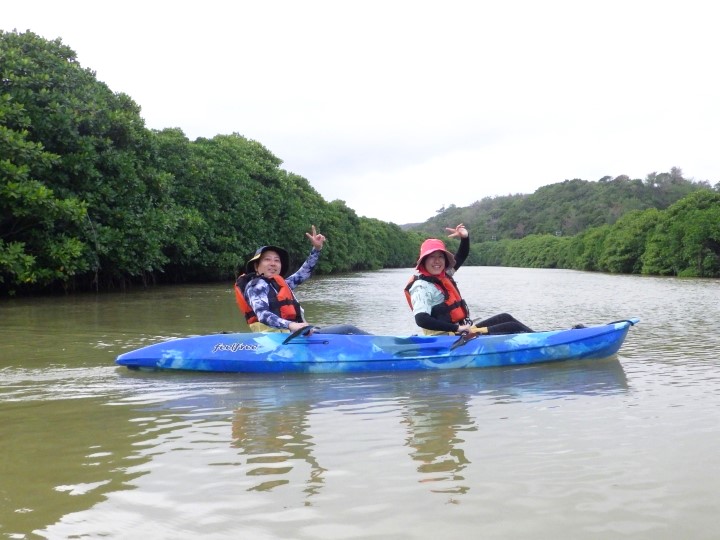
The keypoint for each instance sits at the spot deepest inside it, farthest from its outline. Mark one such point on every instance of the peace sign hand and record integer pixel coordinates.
(316, 238)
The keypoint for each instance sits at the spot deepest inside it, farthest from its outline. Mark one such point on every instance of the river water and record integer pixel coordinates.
(626, 447)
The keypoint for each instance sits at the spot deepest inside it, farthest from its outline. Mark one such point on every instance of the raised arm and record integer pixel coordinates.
(464, 250)
(305, 271)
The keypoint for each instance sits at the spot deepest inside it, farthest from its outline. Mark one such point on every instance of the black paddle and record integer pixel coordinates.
(463, 339)
(304, 331)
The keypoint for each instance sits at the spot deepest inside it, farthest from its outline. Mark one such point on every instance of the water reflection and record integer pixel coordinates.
(274, 419)
(436, 426)
(164, 429)
(434, 430)
(274, 440)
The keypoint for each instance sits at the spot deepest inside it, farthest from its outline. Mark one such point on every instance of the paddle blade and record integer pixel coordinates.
(304, 331)
(463, 339)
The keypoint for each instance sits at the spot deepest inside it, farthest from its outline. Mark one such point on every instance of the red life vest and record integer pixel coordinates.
(281, 300)
(454, 309)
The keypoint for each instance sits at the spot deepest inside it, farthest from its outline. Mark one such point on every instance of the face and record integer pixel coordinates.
(435, 263)
(269, 264)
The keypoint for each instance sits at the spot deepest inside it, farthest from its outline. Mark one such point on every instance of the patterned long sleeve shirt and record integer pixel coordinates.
(256, 292)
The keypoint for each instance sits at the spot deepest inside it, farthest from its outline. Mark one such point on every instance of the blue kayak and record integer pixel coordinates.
(337, 353)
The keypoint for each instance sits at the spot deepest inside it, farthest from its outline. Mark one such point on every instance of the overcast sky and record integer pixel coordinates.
(402, 107)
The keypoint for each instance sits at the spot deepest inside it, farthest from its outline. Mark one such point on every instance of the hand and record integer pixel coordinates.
(297, 326)
(459, 231)
(471, 328)
(316, 238)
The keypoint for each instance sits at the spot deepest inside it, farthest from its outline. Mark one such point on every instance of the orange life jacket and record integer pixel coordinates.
(454, 309)
(281, 300)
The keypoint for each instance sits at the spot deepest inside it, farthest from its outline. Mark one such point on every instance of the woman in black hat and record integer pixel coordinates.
(265, 295)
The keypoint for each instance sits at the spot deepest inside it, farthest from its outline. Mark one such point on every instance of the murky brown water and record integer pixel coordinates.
(624, 447)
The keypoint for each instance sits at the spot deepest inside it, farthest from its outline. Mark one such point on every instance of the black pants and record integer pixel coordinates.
(504, 323)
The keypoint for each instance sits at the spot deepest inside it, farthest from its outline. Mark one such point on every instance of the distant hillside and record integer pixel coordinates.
(564, 209)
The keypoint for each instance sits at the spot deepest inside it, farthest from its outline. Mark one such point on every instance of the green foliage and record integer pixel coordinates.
(109, 203)
(683, 240)
(16, 264)
(340, 224)
(91, 198)
(35, 220)
(613, 225)
(566, 208)
(686, 241)
(386, 245)
(625, 243)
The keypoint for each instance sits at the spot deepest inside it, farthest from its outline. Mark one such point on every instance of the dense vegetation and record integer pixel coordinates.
(664, 225)
(684, 240)
(91, 199)
(566, 208)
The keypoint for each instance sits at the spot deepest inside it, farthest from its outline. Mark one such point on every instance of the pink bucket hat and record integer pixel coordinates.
(433, 244)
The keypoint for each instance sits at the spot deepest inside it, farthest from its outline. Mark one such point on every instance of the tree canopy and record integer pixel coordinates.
(91, 198)
(566, 208)
(683, 240)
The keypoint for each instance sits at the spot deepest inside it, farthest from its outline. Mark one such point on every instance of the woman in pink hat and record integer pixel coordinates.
(435, 299)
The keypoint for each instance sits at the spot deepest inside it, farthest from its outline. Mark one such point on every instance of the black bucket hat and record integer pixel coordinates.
(284, 259)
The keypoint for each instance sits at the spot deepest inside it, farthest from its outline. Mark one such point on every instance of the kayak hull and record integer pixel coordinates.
(336, 353)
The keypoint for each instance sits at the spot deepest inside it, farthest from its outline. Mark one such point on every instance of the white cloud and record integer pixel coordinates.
(401, 107)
